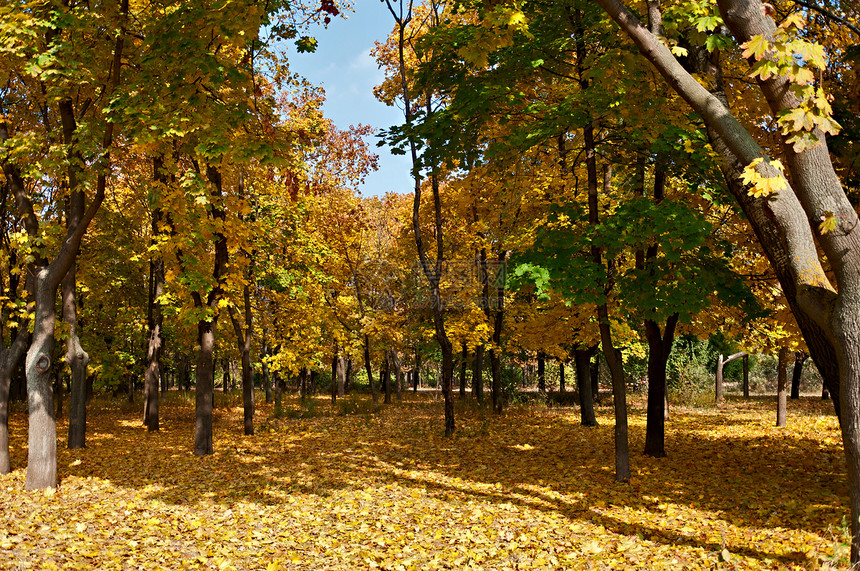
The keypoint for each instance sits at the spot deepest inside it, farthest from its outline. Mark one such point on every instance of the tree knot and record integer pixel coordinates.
(43, 363)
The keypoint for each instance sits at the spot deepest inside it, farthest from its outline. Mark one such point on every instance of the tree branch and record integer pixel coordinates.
(829, 15)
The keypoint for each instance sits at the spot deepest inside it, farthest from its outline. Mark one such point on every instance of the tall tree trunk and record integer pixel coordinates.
(42, 440)
(582, 362)
(746, 363)
(347, 375)
(416, 372)
(75, 357)
(718, 380)
(386, 377)
(619, 397)
(610, 353)
(58, 390)
(226, 377)
(659, 348)
(463, 366)
(77, 360)
(244, 338)
(341, 376)
(594, 366)
(496, 369)
(432, 270)
(797, 371)
(541, 371)
(205, 388)
(561, 387)
(335, 360)
(722, 361)
(498, 322)
(155, 344)
(448, 386)
(478, 374)
(5, 383)
(398, 373)
(814, 192)
(367, 367)
(267, 377)
(302, 383)
(9, 359)
(155, 315)
(781, 383)
(279, 391)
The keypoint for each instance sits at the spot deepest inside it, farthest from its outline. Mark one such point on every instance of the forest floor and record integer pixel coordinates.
(353, 487)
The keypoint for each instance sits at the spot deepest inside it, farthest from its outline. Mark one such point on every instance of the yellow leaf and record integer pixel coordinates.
(756, 47)
(828, 223)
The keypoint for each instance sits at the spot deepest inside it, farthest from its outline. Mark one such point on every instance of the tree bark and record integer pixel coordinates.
(722, 362)
(781, 223)
(828, 320)
(582, 362)
(781, 383)
(367, 367)
(797, 371)
(561, 387)
(155, 320)
(205, 388)
(335, 360)
(746, 362)
(541, 371)
(718, 389)
(244, 338)
(478, 374)
(398, 373)
(77, 360)
(432, 272)
(42, 439)
(386, 377)
(9, 359)
(498, 323)
(610, 353)
(58, 389)
(659, 349)
(341, 376)
(496, 368)
(75, 357)
(226, 376)
(463, 366)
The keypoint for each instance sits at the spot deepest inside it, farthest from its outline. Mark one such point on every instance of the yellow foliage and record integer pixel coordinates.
(527, 490)
(762, 185)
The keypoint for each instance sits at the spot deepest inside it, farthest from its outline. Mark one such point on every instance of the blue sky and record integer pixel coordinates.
(343, 66)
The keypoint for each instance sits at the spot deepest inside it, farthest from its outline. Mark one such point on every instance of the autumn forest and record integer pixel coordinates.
(613, 323)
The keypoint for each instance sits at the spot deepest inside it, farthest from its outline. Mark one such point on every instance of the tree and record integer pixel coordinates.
(59, 74)
(403, 15)
(814, 203)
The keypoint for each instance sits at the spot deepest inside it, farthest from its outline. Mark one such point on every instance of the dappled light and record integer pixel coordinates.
(383, 488)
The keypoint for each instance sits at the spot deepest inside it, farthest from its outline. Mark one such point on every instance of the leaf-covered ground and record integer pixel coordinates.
(320, 489)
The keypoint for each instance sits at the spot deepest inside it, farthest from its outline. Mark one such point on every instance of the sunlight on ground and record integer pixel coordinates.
(529, 490)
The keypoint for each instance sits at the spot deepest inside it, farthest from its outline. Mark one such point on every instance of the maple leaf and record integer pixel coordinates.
(756, 48)
(828, 223)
